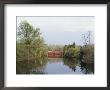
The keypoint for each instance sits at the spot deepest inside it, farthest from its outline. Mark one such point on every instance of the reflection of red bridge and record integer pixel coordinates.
(55, 54)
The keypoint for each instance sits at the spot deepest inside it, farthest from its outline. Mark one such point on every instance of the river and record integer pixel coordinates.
(55, 66)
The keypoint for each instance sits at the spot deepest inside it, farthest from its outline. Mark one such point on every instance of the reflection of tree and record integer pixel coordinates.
(87, 68)
(24, 67)
(38, 67)
(71, 63)
(38, 70)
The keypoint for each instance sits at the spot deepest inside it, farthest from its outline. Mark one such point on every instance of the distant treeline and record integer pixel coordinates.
(55, 47)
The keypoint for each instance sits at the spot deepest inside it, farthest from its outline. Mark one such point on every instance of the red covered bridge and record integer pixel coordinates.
(55, 54)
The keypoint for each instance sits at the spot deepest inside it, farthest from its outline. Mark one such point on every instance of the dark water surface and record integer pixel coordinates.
(55, 66)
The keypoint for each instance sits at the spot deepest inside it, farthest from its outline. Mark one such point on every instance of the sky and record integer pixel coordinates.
(62, 30)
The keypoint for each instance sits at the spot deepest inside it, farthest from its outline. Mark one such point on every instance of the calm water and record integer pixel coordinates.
(55, 66)
(58, 67)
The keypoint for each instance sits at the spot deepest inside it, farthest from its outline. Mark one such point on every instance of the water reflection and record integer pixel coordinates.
(55, 66)
(71, 63)
(87, 68)
(29, 67)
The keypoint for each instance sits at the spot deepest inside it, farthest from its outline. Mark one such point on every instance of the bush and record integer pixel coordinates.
(88, 53)
(71, 51)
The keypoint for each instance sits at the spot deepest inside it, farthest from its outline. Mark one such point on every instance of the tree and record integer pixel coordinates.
(27, 33)
(71, 51)
(86, 38)
(30, 42)
(87, 49)
(74, 45)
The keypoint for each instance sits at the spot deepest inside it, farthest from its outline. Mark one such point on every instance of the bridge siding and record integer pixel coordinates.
(55, 54)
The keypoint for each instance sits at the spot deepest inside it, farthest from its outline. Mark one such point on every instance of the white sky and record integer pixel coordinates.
(61, 30)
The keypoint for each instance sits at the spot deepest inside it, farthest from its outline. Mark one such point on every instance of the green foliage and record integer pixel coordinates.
(88, 53)
(30, 45)
(27, 33)
(84, 53)
(71, 51)
(87, 49)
